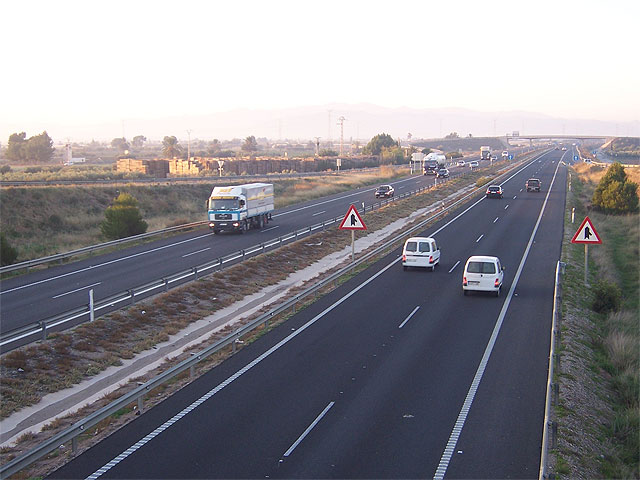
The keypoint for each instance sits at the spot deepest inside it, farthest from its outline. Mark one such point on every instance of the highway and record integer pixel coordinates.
(394, 374)
(30, 298)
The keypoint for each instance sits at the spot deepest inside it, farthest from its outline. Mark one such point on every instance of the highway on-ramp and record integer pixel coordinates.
(394, 374)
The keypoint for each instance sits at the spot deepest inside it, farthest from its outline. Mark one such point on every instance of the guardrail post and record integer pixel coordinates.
(43, 325)
(556, 392)
(131, 293)
(554, 434)
(140, 404)
(166, 284)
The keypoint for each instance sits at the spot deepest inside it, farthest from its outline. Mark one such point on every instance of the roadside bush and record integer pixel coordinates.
(123, 218)
(8, 254)
(615, 193)
(607, 297)
(5, 169)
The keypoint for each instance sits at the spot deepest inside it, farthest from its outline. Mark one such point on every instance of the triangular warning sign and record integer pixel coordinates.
(352, 220)
(586, 233)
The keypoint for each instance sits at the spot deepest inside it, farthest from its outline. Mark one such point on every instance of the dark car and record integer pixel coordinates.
(533, 185)
(384, 191)
(442, 173)
(494, 191)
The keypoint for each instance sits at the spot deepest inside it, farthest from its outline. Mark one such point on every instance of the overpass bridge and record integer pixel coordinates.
(553, 137)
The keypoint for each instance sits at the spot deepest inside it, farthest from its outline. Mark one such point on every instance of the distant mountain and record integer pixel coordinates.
(362, 121)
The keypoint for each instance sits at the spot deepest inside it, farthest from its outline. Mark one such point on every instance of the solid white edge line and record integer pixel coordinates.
(236, 375)
(464, 411)
(409, 317)
(309, 428)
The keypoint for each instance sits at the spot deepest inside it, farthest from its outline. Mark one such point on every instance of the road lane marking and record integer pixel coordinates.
(319, 213)
(143, 441)
(309, 428)
(409, 317)
(515, 196)
(466, 407)
(506, 206)
(91, 267)
(270, 228)
(479, 238)
(77, 290)
(457, 263)
(199, 251)
(496, 219)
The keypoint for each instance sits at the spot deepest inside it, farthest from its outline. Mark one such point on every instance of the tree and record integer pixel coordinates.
(120, 144)
(138, 141)
(452, 135)
(170, 147)
(375, 145)
(16, 148)
(40, 148)
(616, 193)
(123, 219)
(250, 144)
(214, 146)
(327, 152)
(8, 254)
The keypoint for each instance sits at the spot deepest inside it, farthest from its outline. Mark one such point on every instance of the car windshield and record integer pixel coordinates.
(481, 267)
(411, 246)
(383, 189)
(496, 189)
(223, 204)
(534, 182)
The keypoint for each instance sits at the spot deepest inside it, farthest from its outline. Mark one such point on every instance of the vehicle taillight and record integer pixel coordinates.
(464, 281)
(404, 258)
(430, 258)
(496, 283)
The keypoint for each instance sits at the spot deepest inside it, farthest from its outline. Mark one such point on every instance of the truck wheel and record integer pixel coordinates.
(260, 221)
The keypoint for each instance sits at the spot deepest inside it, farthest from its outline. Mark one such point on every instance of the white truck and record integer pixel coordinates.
(240, 207)
(433, 162)
(485, 153)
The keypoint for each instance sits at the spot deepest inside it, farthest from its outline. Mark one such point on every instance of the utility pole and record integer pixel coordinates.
(188, 145)
(317, 145)
(341, 120)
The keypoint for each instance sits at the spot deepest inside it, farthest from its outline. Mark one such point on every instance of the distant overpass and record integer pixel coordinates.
(531, 138)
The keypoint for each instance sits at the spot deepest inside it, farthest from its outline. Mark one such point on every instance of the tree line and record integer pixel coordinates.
(36, 149)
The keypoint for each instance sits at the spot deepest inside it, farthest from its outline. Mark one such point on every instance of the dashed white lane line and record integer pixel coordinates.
(452, 268)
(409, 317)
(194, 253)
(506, 206)
(309, 428)
(319, 213)
(479, 238)
(77, 290)
(496, 219)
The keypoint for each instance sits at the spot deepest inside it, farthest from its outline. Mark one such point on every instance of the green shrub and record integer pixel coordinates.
(123, 218)
(8, 254)
(607, 297)
(615, 193)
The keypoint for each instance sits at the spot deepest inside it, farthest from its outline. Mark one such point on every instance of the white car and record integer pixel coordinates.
(460, 163)
(473, 164)
(483, 274)
(420, 252)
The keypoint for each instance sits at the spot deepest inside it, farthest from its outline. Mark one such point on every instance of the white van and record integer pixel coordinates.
(420, 252)
(484, 274)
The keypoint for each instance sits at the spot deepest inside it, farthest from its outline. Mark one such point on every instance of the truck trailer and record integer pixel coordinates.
(485, 153)
(433, 162)
(240, 207)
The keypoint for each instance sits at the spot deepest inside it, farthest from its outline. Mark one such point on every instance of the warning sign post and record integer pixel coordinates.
(352, 221)
(587, 235)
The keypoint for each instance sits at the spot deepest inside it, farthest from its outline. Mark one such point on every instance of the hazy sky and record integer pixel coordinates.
(85, 62)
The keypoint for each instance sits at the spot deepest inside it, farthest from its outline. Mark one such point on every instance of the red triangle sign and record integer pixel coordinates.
(352, 220)
(586, 233)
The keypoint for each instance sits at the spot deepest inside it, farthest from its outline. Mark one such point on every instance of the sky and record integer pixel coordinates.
(67, 63)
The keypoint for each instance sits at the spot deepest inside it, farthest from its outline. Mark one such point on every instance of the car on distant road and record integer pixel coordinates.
(533, 185)
(384, 191)
(494, 157)
(420, 252)
(473, 164)
(494, 191)
(460, 163)
(483, 274)
(442, 173)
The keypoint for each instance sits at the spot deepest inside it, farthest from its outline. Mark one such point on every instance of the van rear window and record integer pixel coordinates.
(481, 267)
(411, 246)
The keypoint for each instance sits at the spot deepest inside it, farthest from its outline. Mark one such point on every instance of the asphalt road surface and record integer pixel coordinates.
(395, 374)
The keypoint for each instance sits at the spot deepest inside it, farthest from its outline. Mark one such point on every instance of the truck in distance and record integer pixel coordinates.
(485, 153)
(240, 207)
(433, 162)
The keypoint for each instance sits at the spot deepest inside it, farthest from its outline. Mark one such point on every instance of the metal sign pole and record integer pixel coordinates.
(91, 310)
(586, 263)
(353, 246)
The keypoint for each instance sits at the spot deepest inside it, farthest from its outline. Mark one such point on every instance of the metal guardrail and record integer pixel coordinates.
(164, 284)
(550, 430)
(137, 395)
(61, 256)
